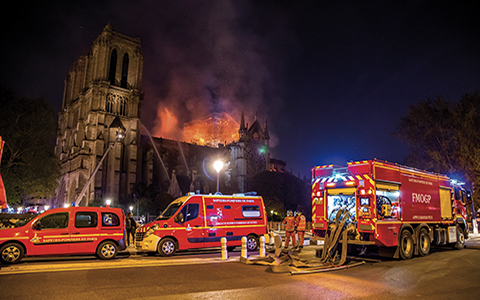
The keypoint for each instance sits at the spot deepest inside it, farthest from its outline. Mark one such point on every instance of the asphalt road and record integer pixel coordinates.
(444, 274)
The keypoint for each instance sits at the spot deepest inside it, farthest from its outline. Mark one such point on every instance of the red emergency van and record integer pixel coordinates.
(200, 221)
(66, 231)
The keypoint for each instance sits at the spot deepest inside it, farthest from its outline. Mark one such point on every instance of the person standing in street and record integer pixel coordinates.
(289, 222)
(131, 227)
(300, 224)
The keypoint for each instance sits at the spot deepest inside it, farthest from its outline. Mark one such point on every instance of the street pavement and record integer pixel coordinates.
(29, 265)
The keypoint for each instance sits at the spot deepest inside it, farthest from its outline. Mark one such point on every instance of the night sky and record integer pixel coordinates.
(333, 78)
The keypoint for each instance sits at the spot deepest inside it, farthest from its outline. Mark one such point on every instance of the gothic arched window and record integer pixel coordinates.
(113, 67)
(123, 107)
(123, 82)
(110, 103)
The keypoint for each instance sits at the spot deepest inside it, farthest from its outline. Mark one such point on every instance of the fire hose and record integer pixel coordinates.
(330, 246)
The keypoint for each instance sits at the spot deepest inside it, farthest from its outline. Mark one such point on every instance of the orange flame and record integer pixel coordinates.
(216, 129)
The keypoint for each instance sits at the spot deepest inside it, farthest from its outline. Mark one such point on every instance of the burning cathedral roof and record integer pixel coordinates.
(216, 129)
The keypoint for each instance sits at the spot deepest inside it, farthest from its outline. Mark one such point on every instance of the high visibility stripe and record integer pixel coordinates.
(346, 191)
(81, 235)
(16, 238)
(358, 162)
(322, 167)
(372, 182)
(387, 186)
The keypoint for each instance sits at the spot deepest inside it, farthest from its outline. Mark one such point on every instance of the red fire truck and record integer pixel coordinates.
(402, 210)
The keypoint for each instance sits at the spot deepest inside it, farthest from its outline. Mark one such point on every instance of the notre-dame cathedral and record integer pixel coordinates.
(102, 100)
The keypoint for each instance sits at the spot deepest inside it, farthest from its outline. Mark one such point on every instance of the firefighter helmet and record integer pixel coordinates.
(289, 213)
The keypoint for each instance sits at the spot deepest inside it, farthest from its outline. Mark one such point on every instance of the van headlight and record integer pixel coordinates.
(151, 230)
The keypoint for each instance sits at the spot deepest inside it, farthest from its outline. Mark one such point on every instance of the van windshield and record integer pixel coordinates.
(169, 211)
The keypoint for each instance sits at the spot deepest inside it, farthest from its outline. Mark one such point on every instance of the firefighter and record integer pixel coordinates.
(300, 223)
(289, 222)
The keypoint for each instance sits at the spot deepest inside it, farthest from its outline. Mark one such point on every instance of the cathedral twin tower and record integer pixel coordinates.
(101, 87)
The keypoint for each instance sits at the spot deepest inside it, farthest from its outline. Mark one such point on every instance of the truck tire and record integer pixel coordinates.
(405, 245)
(107, 250)
(252, 243)
(11, 253)
(423, 242)
(460, 244)
(167, 247)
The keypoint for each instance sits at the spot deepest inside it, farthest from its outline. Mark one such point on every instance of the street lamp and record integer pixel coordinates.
(120, 135)
(218, 165)
(131, 208)
(271, 219)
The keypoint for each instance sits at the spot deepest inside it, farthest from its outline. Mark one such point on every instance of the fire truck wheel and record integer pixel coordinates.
(423, 242)
(167, 247)
(406, 245)
(107, 250)
(11, 253)
(460, 244)
(252, 243)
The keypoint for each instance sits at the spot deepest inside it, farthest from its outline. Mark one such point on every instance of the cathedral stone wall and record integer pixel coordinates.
(102, 88)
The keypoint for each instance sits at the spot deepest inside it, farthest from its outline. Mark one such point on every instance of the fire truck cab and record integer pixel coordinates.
(400, 209)
(200, 221)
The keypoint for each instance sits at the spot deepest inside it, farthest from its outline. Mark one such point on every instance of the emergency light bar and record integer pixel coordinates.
(456, 182)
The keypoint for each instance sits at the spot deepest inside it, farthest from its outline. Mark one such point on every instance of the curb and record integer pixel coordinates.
(113, 264)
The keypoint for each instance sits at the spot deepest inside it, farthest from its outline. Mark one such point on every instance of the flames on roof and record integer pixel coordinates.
(217, 129)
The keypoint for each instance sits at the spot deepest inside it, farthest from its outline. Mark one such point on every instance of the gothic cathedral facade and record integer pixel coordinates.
(102, 98)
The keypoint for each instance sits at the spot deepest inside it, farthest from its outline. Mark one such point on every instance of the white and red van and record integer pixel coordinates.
(200, 221)
(66, 231)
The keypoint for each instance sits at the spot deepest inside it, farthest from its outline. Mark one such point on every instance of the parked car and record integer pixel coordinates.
(66, 231)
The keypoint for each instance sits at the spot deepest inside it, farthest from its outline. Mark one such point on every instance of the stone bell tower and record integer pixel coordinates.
(251, 154)
(102, 97)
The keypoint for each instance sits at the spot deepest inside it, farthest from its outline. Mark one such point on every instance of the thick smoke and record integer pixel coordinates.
(212, 57)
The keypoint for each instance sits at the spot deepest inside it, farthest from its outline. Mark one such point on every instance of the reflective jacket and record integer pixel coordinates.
(290, 221)
(300, 223)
